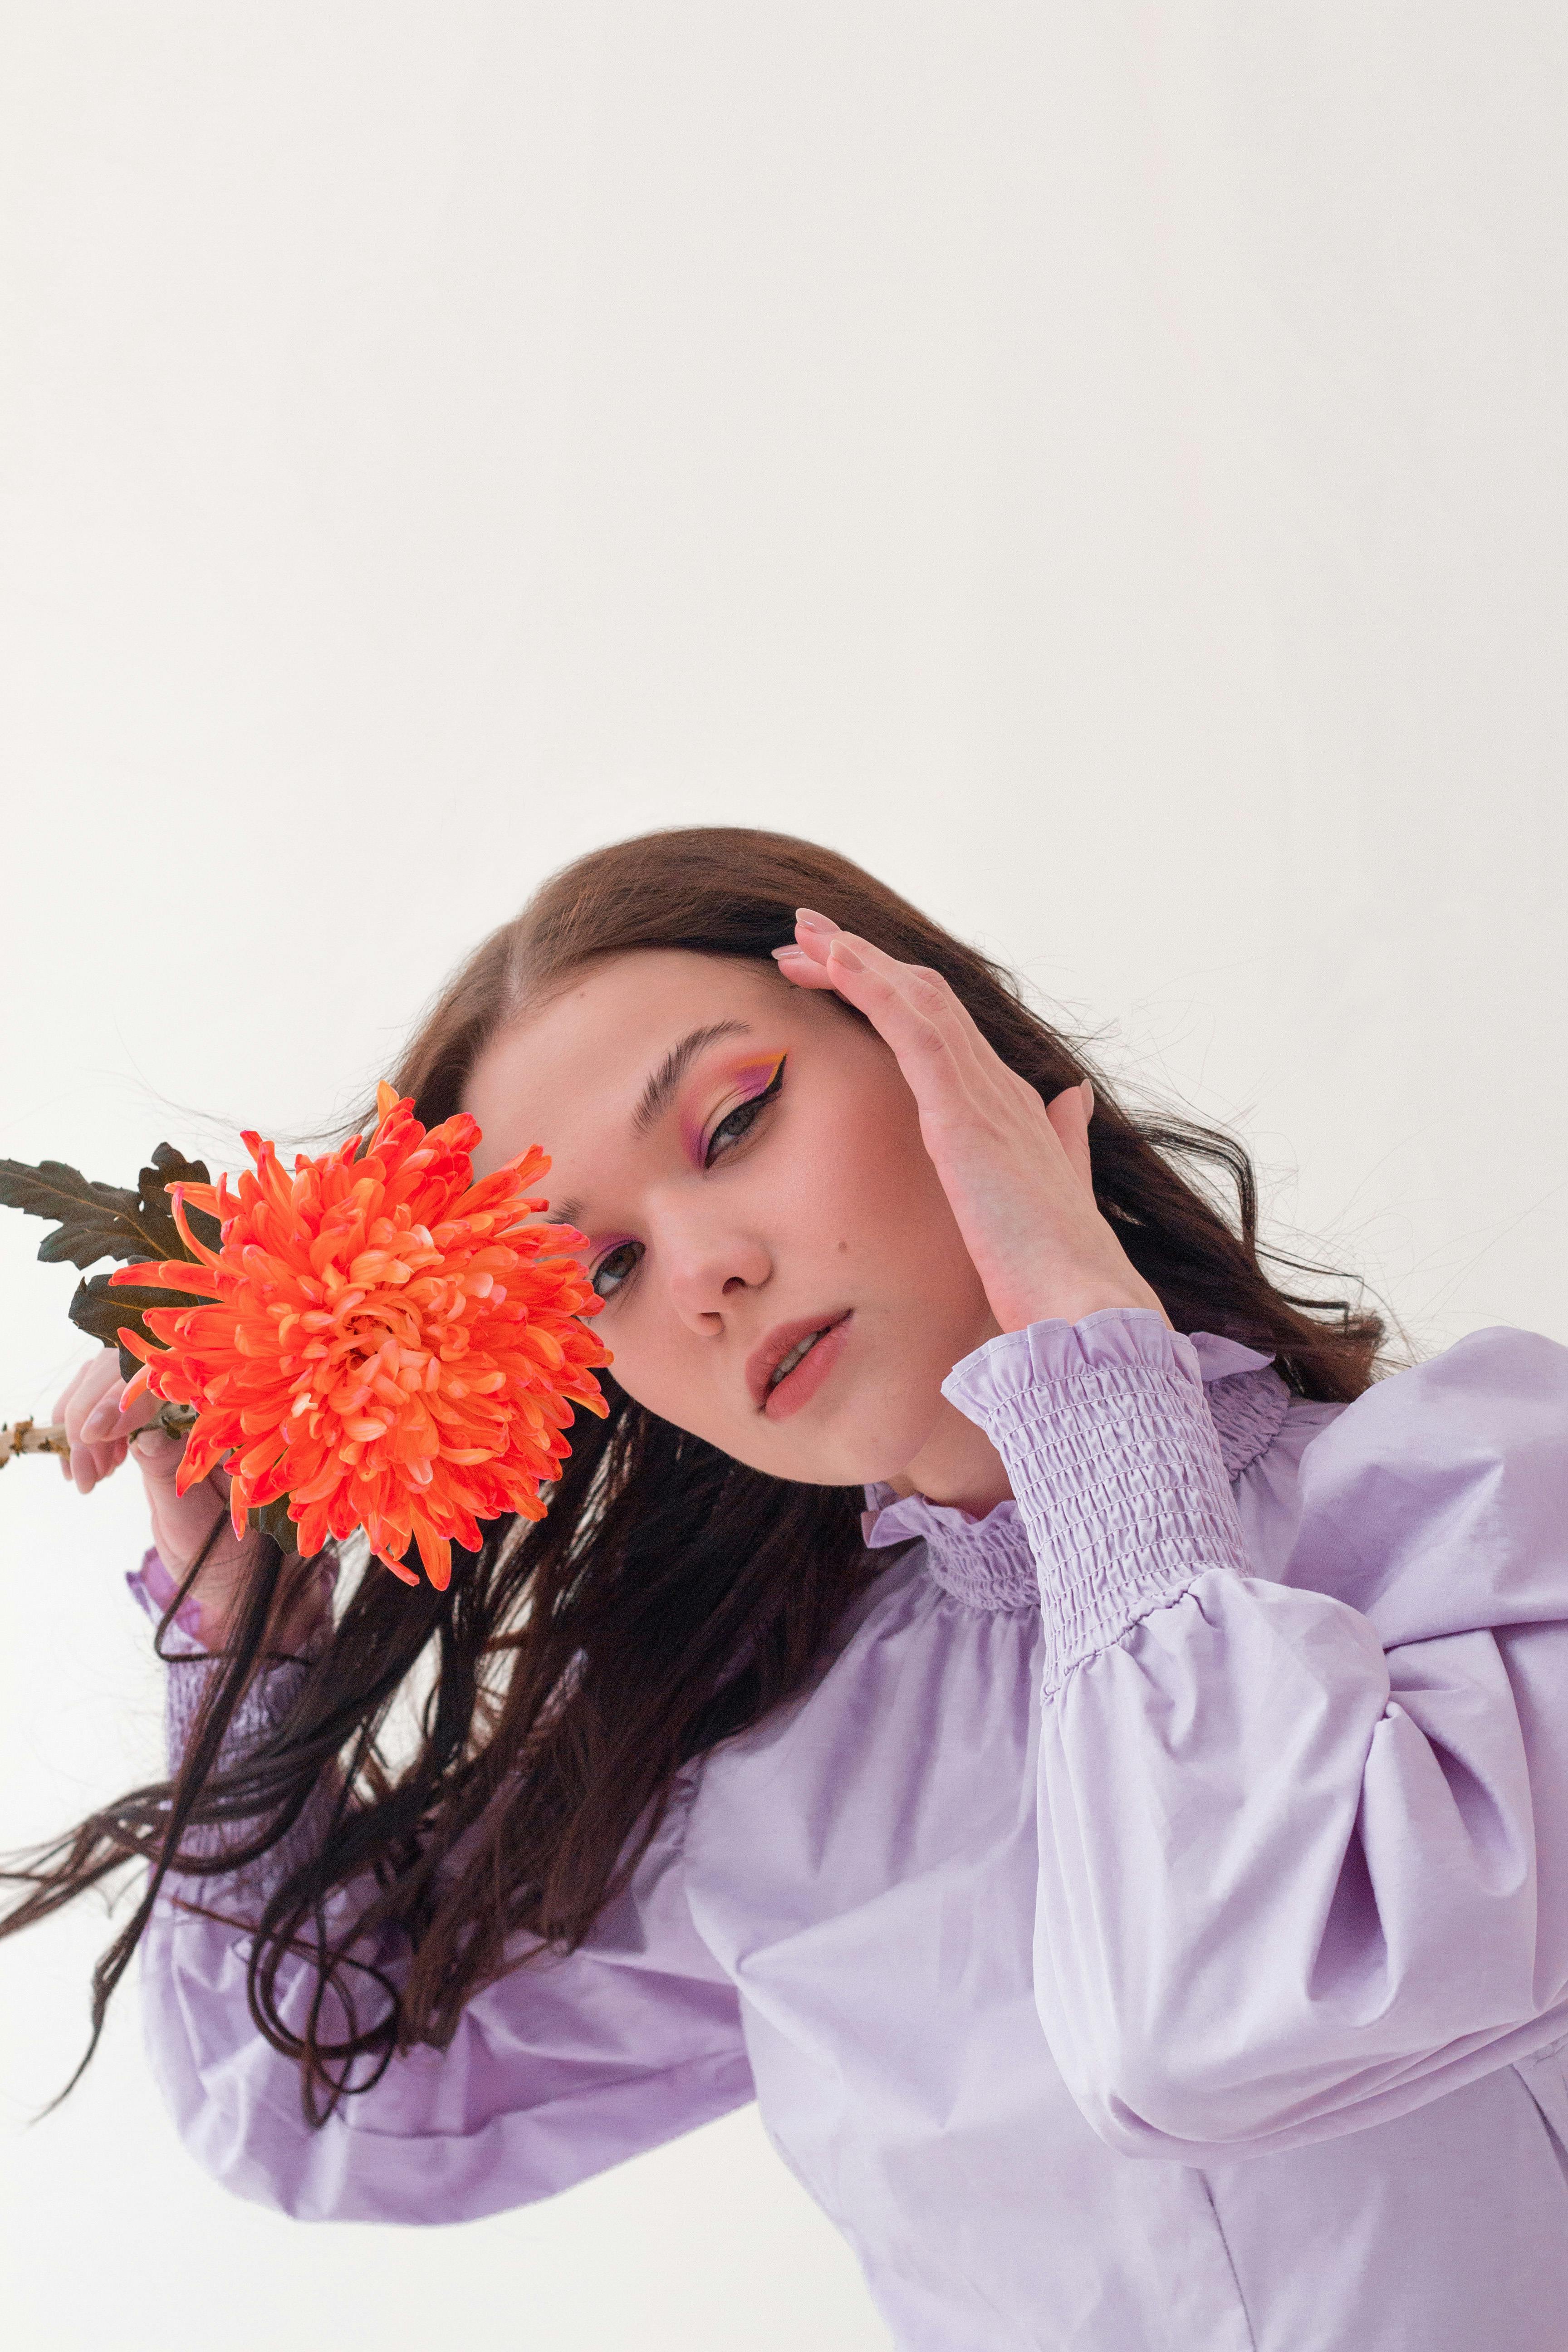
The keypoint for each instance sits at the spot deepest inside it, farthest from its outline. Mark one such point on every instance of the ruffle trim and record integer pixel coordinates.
(988, 1563)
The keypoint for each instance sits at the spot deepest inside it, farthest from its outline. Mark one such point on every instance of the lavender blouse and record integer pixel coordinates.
(1149, 1935)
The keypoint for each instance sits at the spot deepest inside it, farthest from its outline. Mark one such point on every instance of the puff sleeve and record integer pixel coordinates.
(559, 2070)
(1303, 1824)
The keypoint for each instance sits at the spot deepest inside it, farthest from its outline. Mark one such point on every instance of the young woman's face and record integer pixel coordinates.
(745, 1159)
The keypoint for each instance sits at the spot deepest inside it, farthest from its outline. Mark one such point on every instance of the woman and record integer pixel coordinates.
(1004, 1687)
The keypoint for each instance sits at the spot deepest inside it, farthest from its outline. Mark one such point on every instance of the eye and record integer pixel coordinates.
(614, 1268)
(739, 1122)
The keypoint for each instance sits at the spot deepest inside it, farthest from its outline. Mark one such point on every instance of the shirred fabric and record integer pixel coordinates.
(985, 1563)
(1150, 1934)
(1113, 1458)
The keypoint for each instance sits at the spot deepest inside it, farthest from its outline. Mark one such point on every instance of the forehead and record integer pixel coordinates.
(570, 1068)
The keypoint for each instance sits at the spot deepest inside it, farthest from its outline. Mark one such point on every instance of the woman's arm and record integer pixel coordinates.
(562, 2068)
(1304, 1844)
(559, 2070)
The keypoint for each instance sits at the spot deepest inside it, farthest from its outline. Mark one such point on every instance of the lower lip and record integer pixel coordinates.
(798, 1387)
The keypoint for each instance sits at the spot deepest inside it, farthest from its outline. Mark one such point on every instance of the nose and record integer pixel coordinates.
(709, 1269)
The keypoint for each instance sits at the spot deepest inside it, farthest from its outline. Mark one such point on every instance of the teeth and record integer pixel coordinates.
(787, 1364)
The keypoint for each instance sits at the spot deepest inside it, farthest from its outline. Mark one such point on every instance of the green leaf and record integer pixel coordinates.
(272, 1519)
(172, 1167)
(93, 1219)
(98, 1221)
(102, 1309)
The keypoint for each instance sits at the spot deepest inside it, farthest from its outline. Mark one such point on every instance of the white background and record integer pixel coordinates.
(1100, 466)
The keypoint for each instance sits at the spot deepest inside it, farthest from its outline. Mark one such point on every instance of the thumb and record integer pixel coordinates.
(158, 1455)
(1069, 1113)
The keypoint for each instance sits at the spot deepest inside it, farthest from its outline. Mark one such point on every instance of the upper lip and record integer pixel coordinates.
(771, 1351)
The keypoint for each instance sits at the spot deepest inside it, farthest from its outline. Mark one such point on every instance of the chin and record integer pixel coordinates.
(865, 1457)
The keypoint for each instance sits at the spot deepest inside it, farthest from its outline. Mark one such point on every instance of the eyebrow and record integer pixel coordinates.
(656, 1095)
(673, 1069)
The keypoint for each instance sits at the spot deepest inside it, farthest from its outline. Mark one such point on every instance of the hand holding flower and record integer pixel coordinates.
(103, 1431)
(372, 1341)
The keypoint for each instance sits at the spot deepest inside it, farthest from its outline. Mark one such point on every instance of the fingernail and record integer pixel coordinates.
(839, 953)
(1087, 1098)
(779, 953)
(97, 1421)
(809, 921)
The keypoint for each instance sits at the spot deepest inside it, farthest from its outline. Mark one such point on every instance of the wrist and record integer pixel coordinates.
(1058, 1303)
(211, 1612)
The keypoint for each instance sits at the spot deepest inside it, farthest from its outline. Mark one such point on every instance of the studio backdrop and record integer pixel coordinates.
(1100, 466)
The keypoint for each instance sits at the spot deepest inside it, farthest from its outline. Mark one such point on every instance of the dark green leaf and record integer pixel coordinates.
(172, 1167)
(102, 1309)
(272, 1519)
(98, 1221)
(94, 1220)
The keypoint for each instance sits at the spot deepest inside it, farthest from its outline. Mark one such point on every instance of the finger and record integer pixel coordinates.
(796, 965)
(914, 1009)
(1068, 1113)
(158, 1455)
(807, 952)
(92, 1465)
(87, 1466)
(105, 1416)
(927, 992)
(99, 1461)
(84, 1396)
(85, 1387)
(112, 1418)
(813, 932)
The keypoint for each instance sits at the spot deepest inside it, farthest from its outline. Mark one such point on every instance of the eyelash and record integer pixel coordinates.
(747, 1109)
(752, 1105)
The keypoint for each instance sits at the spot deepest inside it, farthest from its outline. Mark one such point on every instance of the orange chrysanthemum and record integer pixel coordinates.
(381, 1339)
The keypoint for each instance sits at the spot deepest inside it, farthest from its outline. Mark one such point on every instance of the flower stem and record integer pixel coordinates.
(49, 1436)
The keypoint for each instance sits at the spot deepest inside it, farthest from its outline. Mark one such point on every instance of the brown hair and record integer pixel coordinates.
(670, 1597)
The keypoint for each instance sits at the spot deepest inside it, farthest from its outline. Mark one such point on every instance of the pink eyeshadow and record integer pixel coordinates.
(752, 1078)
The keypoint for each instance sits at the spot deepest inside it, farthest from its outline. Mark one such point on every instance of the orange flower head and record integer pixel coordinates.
(379, 1338)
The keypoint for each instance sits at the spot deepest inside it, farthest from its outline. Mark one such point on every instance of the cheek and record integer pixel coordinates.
(665, 1366)
(864, 1176)
(858, 1207)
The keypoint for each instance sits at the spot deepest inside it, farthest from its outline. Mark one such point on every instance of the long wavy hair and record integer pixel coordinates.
(574, 1665)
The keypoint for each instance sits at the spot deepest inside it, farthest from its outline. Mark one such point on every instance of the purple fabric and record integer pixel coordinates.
(152, 1586)
(1149, 1935)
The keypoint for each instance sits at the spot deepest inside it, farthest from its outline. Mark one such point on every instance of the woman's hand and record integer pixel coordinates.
(1015, 1169)
(101, 1434)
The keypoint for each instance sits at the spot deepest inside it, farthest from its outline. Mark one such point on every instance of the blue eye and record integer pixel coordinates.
(616, 1268)
(739, 1122)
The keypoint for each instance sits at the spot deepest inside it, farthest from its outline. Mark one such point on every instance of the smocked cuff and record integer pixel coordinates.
(1111, 1454)
(152, 1586)
(261, 1710)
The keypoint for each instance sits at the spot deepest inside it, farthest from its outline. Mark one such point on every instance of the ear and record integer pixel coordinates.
(1069, 1113)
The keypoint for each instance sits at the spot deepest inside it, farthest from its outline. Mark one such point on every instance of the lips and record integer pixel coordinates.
(781, 1341)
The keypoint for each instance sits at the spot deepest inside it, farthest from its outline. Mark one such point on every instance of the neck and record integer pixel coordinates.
(957, 1464)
